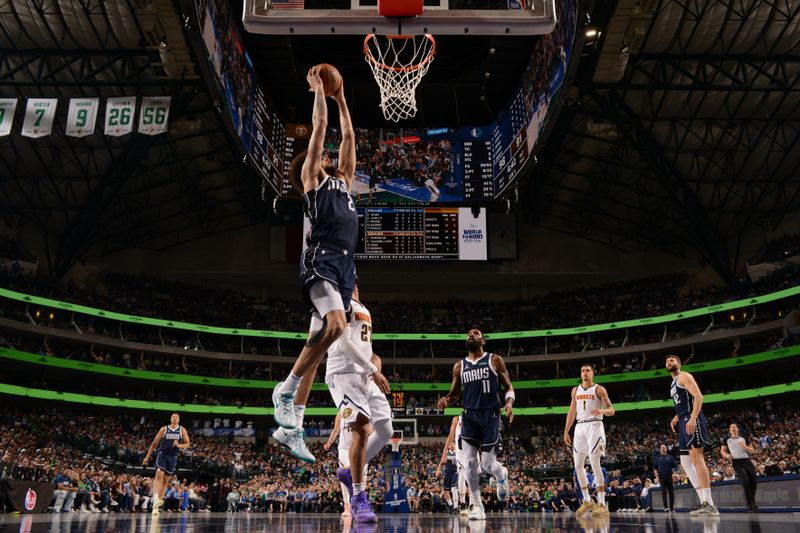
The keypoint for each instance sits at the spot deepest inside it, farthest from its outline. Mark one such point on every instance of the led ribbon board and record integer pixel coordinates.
(639, 322)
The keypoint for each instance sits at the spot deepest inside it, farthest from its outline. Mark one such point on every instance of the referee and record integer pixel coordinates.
(739, 452)
(664, 465)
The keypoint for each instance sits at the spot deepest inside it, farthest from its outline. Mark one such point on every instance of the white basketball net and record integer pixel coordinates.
(399, 62)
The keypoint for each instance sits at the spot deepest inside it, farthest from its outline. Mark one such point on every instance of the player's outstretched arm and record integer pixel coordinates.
(608, 408)
(455, 388)
(570, 418)
(159, 436)
(319, 119)
(505, 379)
(347, 148)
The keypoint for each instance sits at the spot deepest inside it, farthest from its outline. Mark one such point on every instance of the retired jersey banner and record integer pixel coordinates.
(154, 114)
(82, 117)
(7, 108)
(39, 115)
(119, 115)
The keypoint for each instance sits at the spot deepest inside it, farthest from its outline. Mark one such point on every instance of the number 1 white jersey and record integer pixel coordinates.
(587, 401)
(360, 332)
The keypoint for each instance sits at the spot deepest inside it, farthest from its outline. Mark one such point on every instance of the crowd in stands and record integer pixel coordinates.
(91, 458)
(779, 249)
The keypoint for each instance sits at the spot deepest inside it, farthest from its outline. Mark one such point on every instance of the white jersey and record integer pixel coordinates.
(458, 430)
(587, 401)
(360, 331)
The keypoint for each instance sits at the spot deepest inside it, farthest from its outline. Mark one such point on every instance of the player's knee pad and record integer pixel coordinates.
(317, 335)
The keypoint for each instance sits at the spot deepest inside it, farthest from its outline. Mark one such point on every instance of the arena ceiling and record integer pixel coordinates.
(679, 130)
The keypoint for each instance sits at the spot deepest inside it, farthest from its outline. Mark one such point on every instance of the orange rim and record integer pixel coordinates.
(410, 68)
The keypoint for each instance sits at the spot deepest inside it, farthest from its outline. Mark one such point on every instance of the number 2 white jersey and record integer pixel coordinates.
(360, 332)
(587, 401)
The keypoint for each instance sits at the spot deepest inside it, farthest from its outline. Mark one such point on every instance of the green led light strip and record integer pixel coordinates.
(104, 401)
(110, 370)
(700, 311)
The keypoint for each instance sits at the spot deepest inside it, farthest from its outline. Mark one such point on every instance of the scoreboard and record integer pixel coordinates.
(267, 141)
(427, 233)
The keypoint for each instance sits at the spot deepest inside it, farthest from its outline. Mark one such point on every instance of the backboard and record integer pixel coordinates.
(360, 17)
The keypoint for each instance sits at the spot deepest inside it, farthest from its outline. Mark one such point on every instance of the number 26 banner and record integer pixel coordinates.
(82, 117)
(154, 114)
(119, 115)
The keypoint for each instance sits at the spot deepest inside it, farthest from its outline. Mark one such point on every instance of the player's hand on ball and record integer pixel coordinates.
(567, 440)
(510, 413)
(314, 81)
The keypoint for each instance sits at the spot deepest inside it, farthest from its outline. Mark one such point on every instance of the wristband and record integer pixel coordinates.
(510, 396)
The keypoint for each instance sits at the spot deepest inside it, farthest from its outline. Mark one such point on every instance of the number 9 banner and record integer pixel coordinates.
(119, 115)
(154, 115)
(82, 117)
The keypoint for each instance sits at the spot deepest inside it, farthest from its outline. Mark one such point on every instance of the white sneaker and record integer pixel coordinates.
(476, 512)
(294, 439)
(502, 486)
(284, 408)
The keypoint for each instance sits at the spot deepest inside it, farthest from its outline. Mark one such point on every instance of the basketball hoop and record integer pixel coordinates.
(399, 62)
(395, 443)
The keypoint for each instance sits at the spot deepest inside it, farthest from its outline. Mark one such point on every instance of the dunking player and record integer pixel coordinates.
(327, 270)
(460, 490)
(361, 400)
(481, 373)
(692, 429)
(590, 403)
(169, 440)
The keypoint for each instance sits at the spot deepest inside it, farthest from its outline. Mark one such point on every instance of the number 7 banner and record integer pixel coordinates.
(39, 115)
(82, 117)
(154, 114)
(119, 115)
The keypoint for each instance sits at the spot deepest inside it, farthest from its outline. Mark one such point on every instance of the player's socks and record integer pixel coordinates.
(291, 384)
(358, 488)
(299, 412)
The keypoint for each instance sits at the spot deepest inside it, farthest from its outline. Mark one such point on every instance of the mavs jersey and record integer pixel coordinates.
(332, 214)
(587, 401)
(166, 446)
(360, 331)
(451, 465)
(684, 402)
(480, 382)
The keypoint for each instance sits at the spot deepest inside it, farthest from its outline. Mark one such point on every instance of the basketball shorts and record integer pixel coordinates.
(590, 437)
(450, 478)
(481, 428)
(328, 264)
(357, 393)
(698, 439)
(166, 462)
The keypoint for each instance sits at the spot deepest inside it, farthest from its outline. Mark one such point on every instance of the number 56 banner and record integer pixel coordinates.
(81, 117)
(154, 114)
(119, 115)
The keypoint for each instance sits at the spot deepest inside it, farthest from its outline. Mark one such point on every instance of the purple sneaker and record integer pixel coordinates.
(346, 477)
(361, 509)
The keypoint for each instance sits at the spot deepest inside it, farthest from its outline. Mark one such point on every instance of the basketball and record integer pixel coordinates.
(331, 79)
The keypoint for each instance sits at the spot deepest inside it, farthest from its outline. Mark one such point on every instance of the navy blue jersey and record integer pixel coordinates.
(480, 382)
(332, 214)
(166, 445)
(684, 402)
